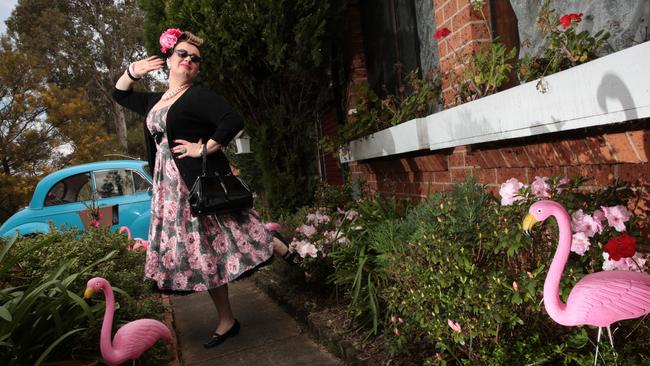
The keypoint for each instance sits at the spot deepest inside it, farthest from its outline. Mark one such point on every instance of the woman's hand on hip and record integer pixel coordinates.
(187, 149)
(147, 65)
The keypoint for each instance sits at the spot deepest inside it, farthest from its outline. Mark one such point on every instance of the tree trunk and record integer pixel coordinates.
(119, 118)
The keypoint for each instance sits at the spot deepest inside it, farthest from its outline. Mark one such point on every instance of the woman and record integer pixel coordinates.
(188, 253)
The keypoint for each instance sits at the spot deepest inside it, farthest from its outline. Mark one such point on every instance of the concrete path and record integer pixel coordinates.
(268, 335)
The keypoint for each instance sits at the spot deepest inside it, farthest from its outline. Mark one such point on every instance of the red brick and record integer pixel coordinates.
(601, 175)
(494, 158)
(439, 18)
(515, 157)
(456, 160)
(449, 9)
(550, 172)
(503, 174)
(481, 159)
(600, 150)
(425, 188)
(621, 147)
(637, 174)
(640, 140)
(581, 151)
(550, 154)
(536, 155)
(428, 176)
(472, 159)
(487, 176)
(442, 177)
(474, 31)
(460, 175)
(565, 153)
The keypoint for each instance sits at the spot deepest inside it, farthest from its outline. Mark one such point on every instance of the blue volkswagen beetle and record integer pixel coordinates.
(120, 190)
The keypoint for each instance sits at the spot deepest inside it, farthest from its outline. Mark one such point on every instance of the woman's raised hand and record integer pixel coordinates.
(145, 66)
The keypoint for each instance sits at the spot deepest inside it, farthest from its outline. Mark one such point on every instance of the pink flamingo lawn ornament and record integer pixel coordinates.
(139, 245)
(133, 338)
(598, 299)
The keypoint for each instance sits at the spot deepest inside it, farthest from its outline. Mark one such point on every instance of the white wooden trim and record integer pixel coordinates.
(611, 89)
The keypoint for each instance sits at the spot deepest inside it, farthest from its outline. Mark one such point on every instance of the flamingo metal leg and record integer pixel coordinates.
(600, 329)
(611, 341)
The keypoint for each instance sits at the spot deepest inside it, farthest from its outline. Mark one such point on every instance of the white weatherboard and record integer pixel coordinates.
(611, 89)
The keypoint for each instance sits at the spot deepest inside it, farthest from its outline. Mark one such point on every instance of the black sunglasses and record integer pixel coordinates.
(182, 54)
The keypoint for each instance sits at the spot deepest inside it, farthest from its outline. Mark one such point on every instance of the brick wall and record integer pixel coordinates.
(605, 154)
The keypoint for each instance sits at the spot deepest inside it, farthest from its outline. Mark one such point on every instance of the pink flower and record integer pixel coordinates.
(540, 188)
(396, 331)
(515, 285)
(454, 326)
(636, 263)
(307, 230)
(510, 191)
(599, 215)
(585, 223)
(306, 249)
(580, 243)
(169, 38)
(529, 274)
(616, 216)
(351, 215)
(400, 320)
(393, 319)
(95, 223)
(562, 182)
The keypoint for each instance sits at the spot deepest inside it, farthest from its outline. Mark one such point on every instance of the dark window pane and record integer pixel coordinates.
(72, 189)
(140, 183)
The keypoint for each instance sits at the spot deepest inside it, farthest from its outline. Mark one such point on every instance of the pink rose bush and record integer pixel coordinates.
(593, 224)
(317, 236)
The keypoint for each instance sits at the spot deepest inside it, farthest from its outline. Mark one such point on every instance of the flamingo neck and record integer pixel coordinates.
(105, 344)
(552, 302)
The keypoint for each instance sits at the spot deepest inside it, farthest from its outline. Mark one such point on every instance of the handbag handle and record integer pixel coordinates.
(204, 156)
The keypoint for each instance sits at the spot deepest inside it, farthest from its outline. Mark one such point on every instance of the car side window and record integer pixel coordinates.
(116, 182)
(140, 183)
(71, 189)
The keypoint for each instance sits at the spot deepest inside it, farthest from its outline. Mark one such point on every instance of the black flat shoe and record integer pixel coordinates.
(217, 339)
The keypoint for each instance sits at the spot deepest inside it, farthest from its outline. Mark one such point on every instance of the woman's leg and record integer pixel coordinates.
(279, 248)
(219, 296)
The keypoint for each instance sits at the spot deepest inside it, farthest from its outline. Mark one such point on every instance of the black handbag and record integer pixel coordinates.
(218, 194)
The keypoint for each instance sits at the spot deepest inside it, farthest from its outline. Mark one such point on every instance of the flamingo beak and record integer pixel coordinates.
(89, 292)
(528, 223)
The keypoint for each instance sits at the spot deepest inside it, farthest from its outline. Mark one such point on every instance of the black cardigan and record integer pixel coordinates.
(197, 114)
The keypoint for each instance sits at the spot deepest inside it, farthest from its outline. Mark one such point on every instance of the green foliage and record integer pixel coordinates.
(565, 48)
(371, 113)
(269, 59)
(361, 264)
(54, 269)
(487, 71)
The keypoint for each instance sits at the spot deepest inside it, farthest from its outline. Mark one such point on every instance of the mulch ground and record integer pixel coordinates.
(324, 315)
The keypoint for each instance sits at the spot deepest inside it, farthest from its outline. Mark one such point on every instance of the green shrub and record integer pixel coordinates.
(65, 261)
(468, 266)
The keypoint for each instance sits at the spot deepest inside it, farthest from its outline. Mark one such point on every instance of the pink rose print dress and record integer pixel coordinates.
(188, 253)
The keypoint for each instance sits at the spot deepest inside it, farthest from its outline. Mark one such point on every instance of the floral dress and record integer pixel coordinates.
(188, 253)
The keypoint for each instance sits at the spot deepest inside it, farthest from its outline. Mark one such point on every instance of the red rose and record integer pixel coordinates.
(441, 33)
(567, 19)
(623, 246)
